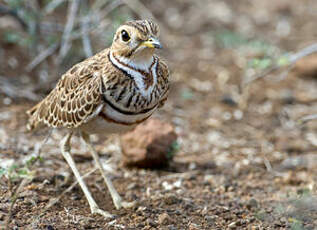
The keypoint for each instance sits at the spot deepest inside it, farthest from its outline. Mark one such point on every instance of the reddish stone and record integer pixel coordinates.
(149, 145)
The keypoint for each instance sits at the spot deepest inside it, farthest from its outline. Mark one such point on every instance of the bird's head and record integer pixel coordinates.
(136, 39)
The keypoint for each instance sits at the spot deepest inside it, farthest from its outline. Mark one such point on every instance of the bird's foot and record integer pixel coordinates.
(101, 212)
(119, 203)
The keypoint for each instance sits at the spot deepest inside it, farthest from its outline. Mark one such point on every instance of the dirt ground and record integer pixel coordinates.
(245, 162)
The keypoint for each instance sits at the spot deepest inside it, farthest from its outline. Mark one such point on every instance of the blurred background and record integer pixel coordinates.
(243, 90)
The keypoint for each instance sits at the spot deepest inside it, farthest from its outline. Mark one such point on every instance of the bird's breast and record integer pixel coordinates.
(119, 113)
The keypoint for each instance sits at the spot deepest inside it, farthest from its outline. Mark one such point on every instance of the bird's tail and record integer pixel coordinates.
(33, 121)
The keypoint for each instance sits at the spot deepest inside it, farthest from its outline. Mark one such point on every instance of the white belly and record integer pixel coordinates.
(112, 121)
(99, 125)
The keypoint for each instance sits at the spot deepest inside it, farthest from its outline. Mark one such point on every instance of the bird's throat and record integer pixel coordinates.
(141, 62)
(143, 72)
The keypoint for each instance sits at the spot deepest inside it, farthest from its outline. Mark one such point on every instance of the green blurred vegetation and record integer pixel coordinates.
(267, 54)
(15, 172)
(174, 148)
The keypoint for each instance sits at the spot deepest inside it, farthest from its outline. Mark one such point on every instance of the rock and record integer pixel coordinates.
(171, 227)
(151, 223)
(228, 100)
(210, 219)
(290, 143)
(193, 226)
(164, 219)
(252, 203)
(232, 225)
(1, 216)
(283, 220)
(151, 144)
(307, 67)
(50, 227)
(306, 161)
(171, 199)
(9, 23)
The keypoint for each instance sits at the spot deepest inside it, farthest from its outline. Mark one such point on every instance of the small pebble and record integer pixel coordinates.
(151, 223)
(283, 220)
(167, 186)
(238, 114)
(204, 211)
(252, 203)
(171, 227)
(232, 225)
(50, 227)
(210, 219)
(7, 101)
(193, 226)
(228, 100)
(131, 186)
(164, 219)
(171, 199)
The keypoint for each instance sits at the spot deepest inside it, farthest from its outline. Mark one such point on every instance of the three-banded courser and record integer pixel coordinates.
(110, 92)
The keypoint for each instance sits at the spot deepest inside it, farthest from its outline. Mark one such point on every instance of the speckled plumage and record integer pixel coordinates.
(90, 88)
(110, 92)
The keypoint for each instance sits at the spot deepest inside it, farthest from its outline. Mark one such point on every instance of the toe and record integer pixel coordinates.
(128, 204)
(103, 213)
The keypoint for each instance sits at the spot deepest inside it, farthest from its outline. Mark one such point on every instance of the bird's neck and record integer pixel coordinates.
(142, 71)
(141, 61)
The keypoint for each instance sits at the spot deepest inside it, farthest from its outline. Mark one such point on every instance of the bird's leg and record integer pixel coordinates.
(117, 200)
(65, 148)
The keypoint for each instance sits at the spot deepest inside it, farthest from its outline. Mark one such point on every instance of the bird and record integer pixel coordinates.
(110, 93)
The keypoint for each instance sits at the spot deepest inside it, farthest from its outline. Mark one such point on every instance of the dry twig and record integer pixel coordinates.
(307, 118)
(101, 24)
(52, 5)
(269, 168)
(13, 91)
(292, 59)
(41, 57)
(112, 6)
(66, 44)
(139, 8)
(85, 36)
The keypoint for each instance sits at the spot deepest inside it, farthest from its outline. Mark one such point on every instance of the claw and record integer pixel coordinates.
(123, 204)
(126, 204)
(102, 212)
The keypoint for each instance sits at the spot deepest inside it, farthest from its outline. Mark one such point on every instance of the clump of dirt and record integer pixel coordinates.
(149, 145)
(307, 67)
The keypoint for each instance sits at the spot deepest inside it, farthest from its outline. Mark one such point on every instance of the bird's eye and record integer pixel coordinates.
(125, 36)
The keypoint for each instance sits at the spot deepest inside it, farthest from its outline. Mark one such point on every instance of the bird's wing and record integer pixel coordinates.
(75, 100)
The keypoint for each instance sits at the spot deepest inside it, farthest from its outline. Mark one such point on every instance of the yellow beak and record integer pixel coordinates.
(152, 43)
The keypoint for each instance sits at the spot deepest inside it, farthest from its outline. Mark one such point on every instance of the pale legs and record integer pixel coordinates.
(65, 148)
(117, 200)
